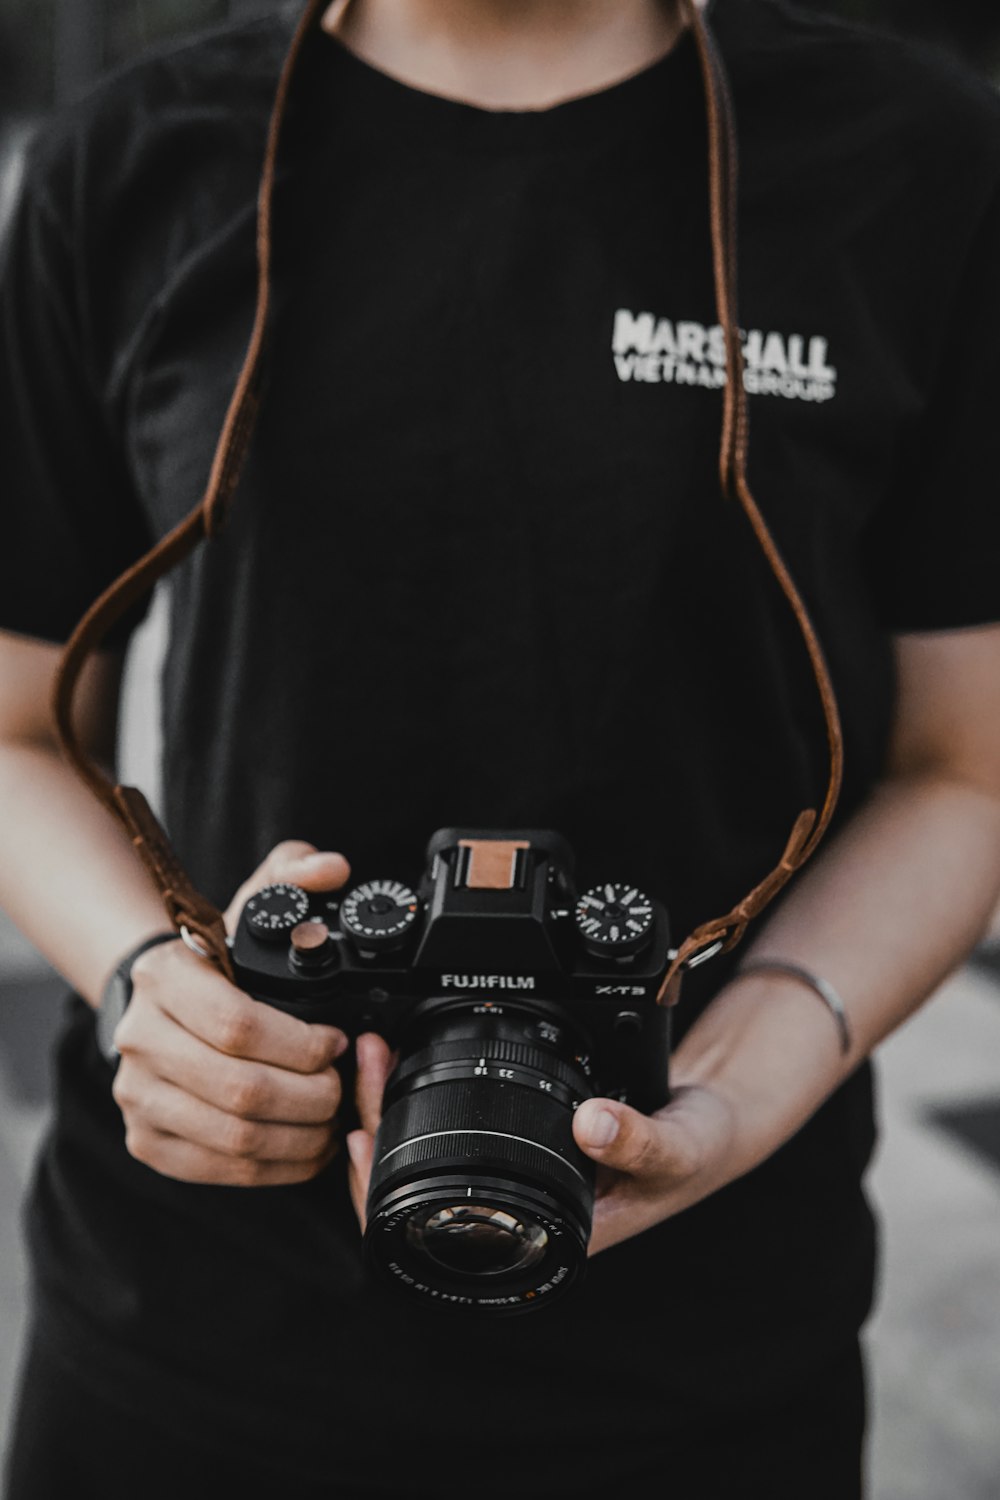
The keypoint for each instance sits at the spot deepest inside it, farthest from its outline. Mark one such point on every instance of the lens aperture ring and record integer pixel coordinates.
(568, 1094)
(483, 1051)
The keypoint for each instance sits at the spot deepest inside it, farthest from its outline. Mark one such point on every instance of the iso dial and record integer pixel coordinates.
(614, 920)
(273, 912)
(379, 915)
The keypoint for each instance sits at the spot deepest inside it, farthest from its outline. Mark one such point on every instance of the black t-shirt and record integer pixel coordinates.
(479, 572)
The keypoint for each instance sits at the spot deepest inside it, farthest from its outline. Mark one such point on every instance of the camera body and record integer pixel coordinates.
(494, 918)
(511, 997)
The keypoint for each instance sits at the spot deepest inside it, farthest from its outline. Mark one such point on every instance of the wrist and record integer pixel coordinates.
(117, 993)
(770, 1050)
(820, 987)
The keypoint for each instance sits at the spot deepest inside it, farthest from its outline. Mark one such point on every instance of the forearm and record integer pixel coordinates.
(69, 877)
(884, 913)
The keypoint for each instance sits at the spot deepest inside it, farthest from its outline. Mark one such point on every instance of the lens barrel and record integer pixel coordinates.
(479, 1196)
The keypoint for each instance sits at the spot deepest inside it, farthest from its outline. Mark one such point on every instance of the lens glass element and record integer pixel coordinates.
(471, 1239)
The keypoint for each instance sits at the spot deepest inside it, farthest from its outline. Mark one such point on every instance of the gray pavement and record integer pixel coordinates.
(935, 1341)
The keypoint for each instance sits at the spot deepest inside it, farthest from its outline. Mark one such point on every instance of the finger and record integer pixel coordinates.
(296, 862)
(622, 1213)
(627, 1141)
(201, 1000)
(375, 1063)
(165, 1108)
(627, 1206)
(154, 1043)
(361, 1150)
(186, 1162)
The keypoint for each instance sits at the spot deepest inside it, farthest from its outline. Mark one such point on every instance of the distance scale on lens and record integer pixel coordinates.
(273, 912)
(379, 915)
(615, 920)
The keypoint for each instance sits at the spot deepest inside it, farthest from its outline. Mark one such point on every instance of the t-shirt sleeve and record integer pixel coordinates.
(71, 522)
(935, 545)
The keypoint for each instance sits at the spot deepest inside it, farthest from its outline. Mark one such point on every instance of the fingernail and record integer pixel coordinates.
(601, 1127)
(354, 1149)
(340, 1043)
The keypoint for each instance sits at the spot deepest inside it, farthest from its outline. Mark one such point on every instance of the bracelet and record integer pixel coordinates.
(821, 987)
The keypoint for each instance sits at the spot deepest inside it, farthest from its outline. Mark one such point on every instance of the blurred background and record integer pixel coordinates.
(935, 1342)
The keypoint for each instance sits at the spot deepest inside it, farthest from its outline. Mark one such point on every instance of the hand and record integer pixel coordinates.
(652, 1166)
(215, 1087)
(375, 1063)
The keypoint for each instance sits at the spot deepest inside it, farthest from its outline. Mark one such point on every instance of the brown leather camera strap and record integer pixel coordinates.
(723, 933)
(186, 907)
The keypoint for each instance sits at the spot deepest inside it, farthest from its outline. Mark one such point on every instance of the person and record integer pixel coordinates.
(479, 572)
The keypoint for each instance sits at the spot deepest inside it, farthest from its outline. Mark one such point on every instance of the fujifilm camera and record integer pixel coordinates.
(511, 997)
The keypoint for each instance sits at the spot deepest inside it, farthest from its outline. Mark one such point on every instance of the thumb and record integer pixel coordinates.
(623, 1139)
(294, 861)
(375, 1063)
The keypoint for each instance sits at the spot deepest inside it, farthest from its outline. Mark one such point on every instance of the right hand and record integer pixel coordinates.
(215, 1087)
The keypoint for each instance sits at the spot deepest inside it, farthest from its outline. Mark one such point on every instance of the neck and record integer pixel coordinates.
(508, 54)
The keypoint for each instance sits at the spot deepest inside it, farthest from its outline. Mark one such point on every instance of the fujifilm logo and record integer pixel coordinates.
(487, 982)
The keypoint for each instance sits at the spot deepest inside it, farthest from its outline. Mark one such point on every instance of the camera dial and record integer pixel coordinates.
(614, 920)
(274, 911)
(379, 915)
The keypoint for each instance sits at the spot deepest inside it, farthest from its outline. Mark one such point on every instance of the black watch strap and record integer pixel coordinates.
(118, 993)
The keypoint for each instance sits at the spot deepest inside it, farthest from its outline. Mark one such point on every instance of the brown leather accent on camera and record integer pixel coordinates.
(184, 905)
(492, 863)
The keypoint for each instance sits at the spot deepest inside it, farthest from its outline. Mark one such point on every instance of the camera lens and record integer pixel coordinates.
(473, 1239)
(479, 1196)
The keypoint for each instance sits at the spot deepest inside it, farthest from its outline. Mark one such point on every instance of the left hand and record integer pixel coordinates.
(652, 1166)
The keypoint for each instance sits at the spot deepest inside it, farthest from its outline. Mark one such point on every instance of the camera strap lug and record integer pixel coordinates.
(712, 951)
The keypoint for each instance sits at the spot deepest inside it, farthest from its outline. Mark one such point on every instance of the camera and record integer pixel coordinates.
(510, 997)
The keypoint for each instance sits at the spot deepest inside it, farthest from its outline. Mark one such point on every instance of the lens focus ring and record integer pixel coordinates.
(479, 1118)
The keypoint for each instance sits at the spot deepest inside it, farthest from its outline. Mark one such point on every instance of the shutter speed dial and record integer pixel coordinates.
(614, 920)
(273, 912)
(379, 915)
